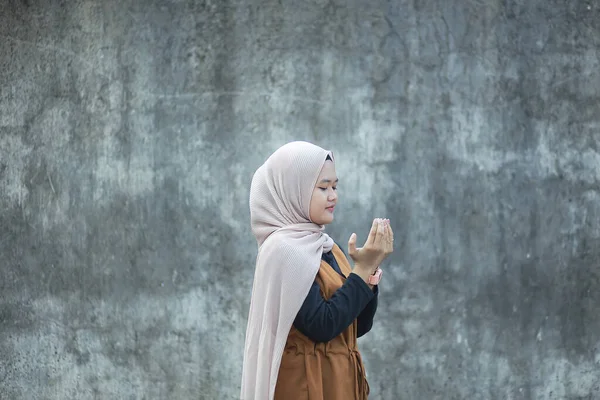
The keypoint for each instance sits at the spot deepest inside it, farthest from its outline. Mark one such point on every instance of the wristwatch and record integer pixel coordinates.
(376, 277)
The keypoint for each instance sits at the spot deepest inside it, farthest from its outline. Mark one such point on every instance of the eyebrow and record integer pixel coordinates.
(328, 180)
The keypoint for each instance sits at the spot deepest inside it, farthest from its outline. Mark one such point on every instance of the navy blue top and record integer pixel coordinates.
(322, 320)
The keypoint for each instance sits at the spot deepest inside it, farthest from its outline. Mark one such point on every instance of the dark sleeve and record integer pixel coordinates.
(365, 318)
(322, 320)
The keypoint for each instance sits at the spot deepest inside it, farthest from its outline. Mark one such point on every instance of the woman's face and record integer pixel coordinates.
(324, 197)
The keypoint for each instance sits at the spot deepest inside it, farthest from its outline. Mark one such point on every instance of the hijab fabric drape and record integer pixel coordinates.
(289, 255)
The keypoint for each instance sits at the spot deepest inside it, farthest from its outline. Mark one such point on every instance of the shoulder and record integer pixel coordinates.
(280, 247)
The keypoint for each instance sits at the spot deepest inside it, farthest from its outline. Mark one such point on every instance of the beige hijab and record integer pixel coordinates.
(289, 255)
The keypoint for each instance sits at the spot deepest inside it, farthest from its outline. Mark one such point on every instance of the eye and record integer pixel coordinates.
(334, 187)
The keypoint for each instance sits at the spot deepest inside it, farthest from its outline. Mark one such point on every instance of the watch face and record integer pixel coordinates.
(376, 277)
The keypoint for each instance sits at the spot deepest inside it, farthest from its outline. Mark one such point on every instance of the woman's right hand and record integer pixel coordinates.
(378, 246)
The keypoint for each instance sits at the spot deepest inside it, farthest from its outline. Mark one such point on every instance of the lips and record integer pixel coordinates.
(330, 209)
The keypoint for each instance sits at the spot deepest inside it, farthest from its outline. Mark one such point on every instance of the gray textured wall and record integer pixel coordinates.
(129, 132)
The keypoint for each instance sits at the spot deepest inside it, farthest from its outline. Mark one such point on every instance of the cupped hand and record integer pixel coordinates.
(378, 246)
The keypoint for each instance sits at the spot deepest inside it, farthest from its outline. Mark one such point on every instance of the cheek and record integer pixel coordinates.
(322, 199)
(317, 201)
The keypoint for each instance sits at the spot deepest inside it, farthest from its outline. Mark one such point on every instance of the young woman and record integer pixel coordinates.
(308, 305)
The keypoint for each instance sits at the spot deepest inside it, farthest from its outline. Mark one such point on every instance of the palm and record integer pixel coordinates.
(378, 246)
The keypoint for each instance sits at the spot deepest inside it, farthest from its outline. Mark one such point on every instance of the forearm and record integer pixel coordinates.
(365, 318)
(322, 320)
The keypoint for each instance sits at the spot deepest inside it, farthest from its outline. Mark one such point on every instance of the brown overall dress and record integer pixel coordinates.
(323, 371)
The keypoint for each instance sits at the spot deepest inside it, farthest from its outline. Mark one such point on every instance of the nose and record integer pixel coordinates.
(332, 195)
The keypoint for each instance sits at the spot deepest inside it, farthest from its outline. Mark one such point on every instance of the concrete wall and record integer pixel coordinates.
(129, 132)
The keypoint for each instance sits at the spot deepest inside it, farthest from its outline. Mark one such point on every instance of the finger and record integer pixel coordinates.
(380, 232)
(388, 230)
(389, 237)
(352, 244)
(373, 232)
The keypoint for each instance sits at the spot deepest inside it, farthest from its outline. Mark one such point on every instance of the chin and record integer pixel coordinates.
(323, 219)
(326, 220)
